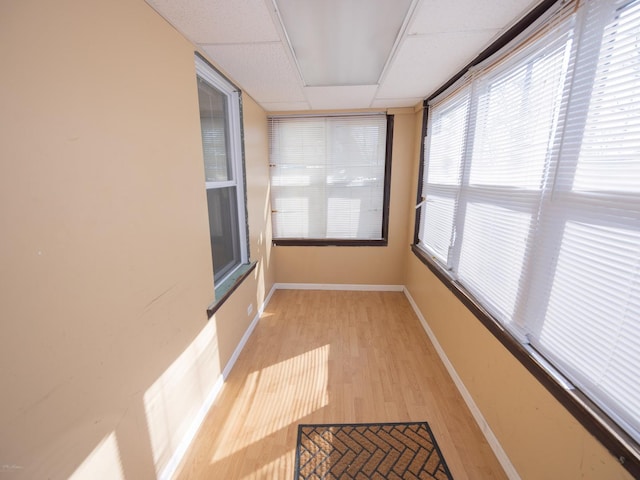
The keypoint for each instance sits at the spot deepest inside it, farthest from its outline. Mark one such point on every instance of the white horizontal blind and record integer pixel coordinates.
(445, 148)
(542, 221)
(327, 176)
(591, 325)
(514, 131)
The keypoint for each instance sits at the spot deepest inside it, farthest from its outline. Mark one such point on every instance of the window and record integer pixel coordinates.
(531, 198)
(222, 149)
(330, 179)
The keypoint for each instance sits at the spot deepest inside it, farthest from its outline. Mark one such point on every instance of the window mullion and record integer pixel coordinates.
(535, 300)
(584, 71)
(453, 259)
(323, 217)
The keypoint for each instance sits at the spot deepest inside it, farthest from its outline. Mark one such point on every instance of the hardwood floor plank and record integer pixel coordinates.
(332, 357)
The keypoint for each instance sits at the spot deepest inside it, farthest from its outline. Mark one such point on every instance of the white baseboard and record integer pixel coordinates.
(339, 286)
(171, 467)
(236, 353)
(508, 467)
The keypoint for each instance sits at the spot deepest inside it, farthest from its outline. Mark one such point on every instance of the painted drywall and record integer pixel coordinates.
(362, 265)
(107, 355)
(540, 437)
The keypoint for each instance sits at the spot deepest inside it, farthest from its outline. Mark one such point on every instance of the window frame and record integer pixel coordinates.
(591, 416)
(235, 138)
(383, 241)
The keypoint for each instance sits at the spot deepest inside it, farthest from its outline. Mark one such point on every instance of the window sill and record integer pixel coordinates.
(227, 287)
(306, 242)
(590, 416)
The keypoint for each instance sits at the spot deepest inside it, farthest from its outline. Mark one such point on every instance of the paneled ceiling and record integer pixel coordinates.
(277, 50)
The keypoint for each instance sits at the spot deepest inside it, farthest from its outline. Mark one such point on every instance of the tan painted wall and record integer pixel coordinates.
(105, 273)
(362, 265)
(542, 440)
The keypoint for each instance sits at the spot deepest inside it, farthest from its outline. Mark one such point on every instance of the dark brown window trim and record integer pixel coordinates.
(524, 23)
(416, 231)
(308, 242)
(590, 416)
(339, 242)
(387, 180)
(213, 308)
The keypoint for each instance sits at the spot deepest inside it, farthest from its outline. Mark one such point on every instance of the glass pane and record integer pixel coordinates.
(299, 143)
(291, 212)
(593, 315)
(447, 140)
(223, 228)
(492, 255)
(215, 131)
(438, 225)
(610, 153)
(354, 211)
(357, 144)
(516, 120)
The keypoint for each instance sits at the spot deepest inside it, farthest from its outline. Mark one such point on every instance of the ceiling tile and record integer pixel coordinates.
(343, 97)
(341, 42)
(425, 62)
(219, 21)
(263, 70)
(396, 102)
(285, 106)
(245, 39)
(435, 16)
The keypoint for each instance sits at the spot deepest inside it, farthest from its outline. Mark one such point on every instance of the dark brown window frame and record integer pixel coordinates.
(619, 443)
(338, 242)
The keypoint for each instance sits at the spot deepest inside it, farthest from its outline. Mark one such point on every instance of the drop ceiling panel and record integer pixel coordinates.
(219, 21)
(425, 62)
(263, 70)
(396, 102)
(344, 97)
(341, 42)
(285, 106)
(434, 16)
(245, 39)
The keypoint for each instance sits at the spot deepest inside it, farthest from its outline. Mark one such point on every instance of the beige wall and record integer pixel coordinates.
(107, 355)
(363, 265)
(542, 440)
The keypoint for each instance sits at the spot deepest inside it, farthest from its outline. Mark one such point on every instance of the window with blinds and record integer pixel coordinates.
(329, 179)
(531, 195)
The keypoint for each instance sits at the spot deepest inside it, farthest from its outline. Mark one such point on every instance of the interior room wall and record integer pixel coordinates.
(107, 358)
(362, 265)
(541, 439)
(107, 355)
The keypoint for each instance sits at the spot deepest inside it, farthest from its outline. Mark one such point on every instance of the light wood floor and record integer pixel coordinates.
(332, 357)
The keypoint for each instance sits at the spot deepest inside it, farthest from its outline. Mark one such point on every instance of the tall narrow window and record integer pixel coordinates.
(330, 179)
(222, 149)
(531, 197)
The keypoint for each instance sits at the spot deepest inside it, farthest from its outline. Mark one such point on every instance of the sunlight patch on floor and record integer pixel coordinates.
(289, 390)
(177, 397)
(278, 468)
